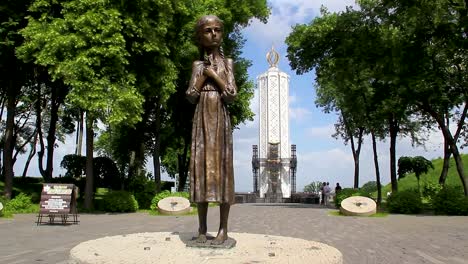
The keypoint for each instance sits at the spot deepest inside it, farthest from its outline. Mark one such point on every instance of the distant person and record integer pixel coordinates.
(337, 188)
(327, 190)
(322, 193)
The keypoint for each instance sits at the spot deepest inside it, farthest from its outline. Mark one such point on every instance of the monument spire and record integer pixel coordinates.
(273, 159)
(273, 57)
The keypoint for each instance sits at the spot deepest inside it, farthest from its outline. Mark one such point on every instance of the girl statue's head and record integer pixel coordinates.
(209, 32)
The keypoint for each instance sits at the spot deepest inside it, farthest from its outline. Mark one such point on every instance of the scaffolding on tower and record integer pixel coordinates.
(255, 167)
(293, 168)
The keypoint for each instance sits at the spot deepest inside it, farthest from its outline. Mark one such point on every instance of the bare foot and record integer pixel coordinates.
(220, 238)
(201, 238)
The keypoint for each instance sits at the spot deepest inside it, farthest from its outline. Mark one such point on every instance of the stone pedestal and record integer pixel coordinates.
(164, 247)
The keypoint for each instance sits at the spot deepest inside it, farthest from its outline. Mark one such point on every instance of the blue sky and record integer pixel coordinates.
(320, 157)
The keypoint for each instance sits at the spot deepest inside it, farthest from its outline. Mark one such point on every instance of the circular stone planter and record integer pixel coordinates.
(174, 205)
(165, 247)
(358, 206)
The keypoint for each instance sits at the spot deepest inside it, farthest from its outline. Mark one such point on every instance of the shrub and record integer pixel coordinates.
(369, 187)
(20, 203)
(106, 173)
(144, 190)
(451, 201)
(4, 202)
(405, 202)
(119, 201)
(164, 194)
(430, 190)
(348, 192)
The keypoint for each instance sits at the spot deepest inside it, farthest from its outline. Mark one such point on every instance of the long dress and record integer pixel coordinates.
(211, 165)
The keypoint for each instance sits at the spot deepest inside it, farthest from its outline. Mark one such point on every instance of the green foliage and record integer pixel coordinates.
(164, 194)
(379, 62)
(105, 170)
(405, 166)
(119, 201)
(369, 187)
(83, 44)
(432, 176)
(348, 192)
(450, 201)
(405, 202)
(74, 164)
(107, 173)
(19, 204)
(144, 190)
(430, 190)
(313, 187)
(419, 165)
(28, 185)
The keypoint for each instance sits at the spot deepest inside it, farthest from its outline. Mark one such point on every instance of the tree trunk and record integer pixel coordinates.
(452, 144)
(356, 154)
(19, 149)
(355, 150)
(458, 161)
(40, 153)
(445, 166)
(447, 154)
(183, 167)
(377, 170)
(156, 150)
(9, 140)
(89, 189)
(31, 154)
(55, 103)
(79, 134)
(393, 170)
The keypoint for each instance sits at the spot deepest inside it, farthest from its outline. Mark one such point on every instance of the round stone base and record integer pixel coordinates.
(165, 247)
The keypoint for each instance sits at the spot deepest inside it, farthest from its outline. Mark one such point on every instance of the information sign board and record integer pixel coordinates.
(58, 199)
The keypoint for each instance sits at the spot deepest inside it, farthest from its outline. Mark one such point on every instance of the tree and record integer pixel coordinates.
(14, 76)
(370, 186)
(418, 165)
(378, 58)
(435, 62)
(313, 187)
(81, 43)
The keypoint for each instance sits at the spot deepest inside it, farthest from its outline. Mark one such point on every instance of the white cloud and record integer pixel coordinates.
(287, 13)
(299, 113)
(324, 132)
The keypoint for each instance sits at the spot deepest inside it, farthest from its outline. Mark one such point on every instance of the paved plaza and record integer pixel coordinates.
(392, 239)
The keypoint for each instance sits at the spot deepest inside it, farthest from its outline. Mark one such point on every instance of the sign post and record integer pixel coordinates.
(58, 200)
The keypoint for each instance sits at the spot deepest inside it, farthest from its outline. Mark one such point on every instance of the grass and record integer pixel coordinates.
(193, 212)
(157, 213)
(338, 213)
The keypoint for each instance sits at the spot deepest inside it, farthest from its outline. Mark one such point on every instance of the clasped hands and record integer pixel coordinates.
(210, 71)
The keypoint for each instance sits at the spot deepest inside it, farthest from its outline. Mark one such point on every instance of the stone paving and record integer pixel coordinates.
(392, 239)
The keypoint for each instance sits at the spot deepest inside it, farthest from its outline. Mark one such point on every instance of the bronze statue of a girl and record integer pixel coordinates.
(211, 87)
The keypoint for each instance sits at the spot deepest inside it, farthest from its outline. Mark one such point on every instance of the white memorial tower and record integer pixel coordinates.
(274, 160)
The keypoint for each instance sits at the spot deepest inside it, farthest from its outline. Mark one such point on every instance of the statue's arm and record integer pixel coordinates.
(230, 89)
(196, 82)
